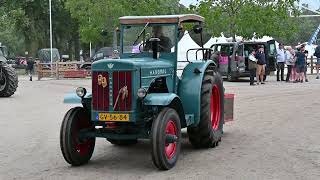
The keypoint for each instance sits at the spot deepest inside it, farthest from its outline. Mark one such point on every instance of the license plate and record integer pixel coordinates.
(113, 117)
(241, 69)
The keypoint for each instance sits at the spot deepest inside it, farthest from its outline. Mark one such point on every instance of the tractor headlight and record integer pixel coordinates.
(81, 92)
(142, 93)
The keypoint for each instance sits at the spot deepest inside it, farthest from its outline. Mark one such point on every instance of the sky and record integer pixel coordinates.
(314, 4)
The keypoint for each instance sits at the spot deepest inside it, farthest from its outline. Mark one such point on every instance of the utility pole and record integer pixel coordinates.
(51, 55)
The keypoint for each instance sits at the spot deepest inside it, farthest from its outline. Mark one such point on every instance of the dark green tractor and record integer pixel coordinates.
(8, 76)
(141, 96)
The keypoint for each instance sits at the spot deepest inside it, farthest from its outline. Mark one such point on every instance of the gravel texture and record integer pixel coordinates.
(275, 135)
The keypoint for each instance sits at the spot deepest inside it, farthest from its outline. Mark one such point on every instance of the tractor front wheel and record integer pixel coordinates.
(166, 139)
(209, 130)
(76, 150)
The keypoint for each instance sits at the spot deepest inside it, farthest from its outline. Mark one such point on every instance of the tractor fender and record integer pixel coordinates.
(159, 99)
(189, 88)
(73, 98)
(171, 100)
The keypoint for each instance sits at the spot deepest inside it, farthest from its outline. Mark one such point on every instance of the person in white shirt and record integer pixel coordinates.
(252, 66)
(280, 62)
(290, 60)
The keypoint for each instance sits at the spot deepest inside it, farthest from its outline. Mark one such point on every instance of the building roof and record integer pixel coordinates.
(161, 19)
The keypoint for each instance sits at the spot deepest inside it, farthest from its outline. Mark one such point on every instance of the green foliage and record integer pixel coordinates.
(8, 34)
(98, 15)
(248, 17)
(30, 19)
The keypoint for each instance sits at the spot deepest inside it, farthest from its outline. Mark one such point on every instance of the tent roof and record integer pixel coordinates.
(161, 19)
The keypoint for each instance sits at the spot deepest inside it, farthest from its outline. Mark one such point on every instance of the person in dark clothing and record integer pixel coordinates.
(165, 44)
(306, 65)
(30, 68)
(300, 64)
(252, 66)
(261, 63)
(317, 54)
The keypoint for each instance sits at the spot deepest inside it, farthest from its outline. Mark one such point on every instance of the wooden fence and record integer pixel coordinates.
(61, 70)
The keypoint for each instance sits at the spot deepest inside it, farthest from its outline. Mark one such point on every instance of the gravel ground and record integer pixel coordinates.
(275, 135)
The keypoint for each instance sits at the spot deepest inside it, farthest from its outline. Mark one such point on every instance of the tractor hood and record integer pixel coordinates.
(133, 64)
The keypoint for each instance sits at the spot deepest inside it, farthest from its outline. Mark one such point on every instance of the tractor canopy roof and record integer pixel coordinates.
(161, 19)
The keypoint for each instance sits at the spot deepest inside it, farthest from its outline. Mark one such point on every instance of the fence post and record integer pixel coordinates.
(39, 71)
(57, 69)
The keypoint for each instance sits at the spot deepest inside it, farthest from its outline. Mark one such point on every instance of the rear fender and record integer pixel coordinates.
(189, 89)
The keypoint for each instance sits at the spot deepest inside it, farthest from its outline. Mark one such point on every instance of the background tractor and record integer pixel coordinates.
(140, 96)
(8, 76)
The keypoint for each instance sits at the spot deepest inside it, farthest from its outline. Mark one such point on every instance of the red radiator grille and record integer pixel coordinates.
(100, 94)
(122, 80)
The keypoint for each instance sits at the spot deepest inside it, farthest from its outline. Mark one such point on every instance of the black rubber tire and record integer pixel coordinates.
(158, 139)
(69, 124)
(11, 81)
(125, 142)
(231, 78)
(203, 135)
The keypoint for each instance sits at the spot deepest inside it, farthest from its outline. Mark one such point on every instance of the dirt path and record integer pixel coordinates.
(275, 135)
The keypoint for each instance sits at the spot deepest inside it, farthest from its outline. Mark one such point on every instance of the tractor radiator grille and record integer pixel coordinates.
(100, 91)
(122, 90)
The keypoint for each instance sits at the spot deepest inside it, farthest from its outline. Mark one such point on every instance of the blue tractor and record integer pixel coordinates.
(140, 95)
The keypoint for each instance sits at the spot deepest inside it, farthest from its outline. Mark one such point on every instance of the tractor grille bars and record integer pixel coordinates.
(120, 87)
(122, 90)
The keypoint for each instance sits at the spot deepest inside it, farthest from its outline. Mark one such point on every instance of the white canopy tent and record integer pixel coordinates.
(211, 41)
(184, 45)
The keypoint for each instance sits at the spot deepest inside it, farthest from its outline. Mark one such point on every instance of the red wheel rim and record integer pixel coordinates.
(170, 148)
(82, 146)
(215, 108)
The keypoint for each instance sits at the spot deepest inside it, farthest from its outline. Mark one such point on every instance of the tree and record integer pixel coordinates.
(305, 27)
(98, 15)
(8, 34)
(31, 21)
(246, 17)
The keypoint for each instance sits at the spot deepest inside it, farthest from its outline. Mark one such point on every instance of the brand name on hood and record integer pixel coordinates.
(157, 72)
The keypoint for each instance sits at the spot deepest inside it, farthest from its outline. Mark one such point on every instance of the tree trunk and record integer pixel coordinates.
(76, 39)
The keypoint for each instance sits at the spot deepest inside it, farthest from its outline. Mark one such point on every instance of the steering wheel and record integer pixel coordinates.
(144, 43)
(161, 48)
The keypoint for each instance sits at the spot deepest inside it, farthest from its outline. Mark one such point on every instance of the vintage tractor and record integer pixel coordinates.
(140, 96)
(8, 76)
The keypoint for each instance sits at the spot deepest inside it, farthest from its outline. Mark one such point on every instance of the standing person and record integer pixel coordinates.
(289, 61)
(294, 75)
(317, 54)
(306, 65)
(252, 65)
(261, 63)
(30, 67)
(280, 62)
(300, 64)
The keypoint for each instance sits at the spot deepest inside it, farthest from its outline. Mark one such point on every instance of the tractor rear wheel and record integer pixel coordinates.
(208, 132)
(8, 81)
(166, 139)
(122, 142)
(76, 150)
